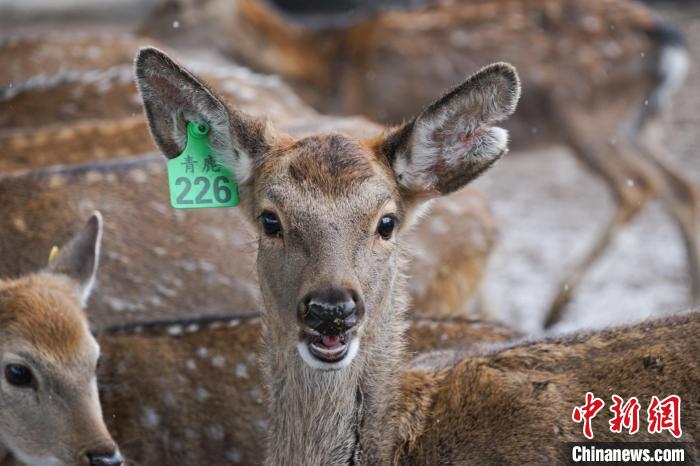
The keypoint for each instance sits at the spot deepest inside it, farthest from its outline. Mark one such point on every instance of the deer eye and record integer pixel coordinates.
(18, 375)
(271, 224)
(386, 226)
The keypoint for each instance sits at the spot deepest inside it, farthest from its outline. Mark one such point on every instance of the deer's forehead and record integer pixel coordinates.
(333, 165)
(44, 313)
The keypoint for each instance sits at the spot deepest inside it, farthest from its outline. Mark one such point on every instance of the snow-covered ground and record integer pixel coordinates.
(549, 211)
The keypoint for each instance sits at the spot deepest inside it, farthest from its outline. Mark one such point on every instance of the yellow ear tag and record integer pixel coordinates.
(53, 254)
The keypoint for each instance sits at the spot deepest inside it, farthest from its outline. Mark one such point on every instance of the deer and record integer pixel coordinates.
(160, 408)
(50, 412)
(331, 212)
(599, 78)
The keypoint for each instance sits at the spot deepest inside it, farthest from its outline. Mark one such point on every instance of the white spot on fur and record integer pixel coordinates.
(19, 224)
(218, 361)
(216, 432)
(192, 328)
(255, 394)
(233, 455)
(241, 371)
(169, 400)
(150, 418)
(261, 425)
(201, 394)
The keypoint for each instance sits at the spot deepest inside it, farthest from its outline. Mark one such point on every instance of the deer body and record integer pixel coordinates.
(597, 75)
(85, 107)
(331, 212)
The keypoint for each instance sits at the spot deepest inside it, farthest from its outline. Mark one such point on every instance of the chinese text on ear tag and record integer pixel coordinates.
(196, 177)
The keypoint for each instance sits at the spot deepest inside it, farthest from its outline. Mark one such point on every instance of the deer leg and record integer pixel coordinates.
(616, 169)
(683, 200)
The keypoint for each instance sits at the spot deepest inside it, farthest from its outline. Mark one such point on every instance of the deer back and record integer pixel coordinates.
(514, 406)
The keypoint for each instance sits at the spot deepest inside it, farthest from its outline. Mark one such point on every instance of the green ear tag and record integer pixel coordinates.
(196, 178)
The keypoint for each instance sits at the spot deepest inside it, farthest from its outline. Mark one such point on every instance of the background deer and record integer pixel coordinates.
(78, 109)
(597, 74)
(49, 407)
(332, 212)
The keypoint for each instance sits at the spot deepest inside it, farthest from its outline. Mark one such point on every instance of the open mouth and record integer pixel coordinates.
(329, 348)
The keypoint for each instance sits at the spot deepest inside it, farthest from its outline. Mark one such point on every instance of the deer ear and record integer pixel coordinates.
(79, 258)
(172, 96)
(453, 140)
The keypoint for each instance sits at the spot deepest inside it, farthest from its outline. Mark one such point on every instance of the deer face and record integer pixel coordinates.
(331, 210)
(328, 210)
(49, 406)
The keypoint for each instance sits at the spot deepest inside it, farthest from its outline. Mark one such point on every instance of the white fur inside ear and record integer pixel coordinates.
(89, 284)
(417, 170)
(315, 363)
(242, 168)
(499, 143)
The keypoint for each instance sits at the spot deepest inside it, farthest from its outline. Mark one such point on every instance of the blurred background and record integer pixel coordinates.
(549, 207)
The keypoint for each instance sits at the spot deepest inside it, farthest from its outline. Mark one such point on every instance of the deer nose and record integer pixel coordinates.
(330, 311)
(113, 458)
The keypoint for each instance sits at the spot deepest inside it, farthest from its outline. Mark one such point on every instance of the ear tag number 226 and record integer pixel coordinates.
(196, 178)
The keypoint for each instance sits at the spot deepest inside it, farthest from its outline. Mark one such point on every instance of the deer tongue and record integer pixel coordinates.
(332, 341)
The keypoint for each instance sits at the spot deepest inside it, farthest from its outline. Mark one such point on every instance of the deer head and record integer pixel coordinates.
(50, 411)
(331, 210)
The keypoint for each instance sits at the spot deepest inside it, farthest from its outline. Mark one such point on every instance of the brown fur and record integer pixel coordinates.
(596, 74)
(342, 168)
(152, 377)
(74, 143)
(39, 308)
(145, 274)
(26, 56)
(522, 397)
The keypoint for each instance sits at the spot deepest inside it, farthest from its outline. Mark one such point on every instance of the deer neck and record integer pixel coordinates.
(336, 417)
